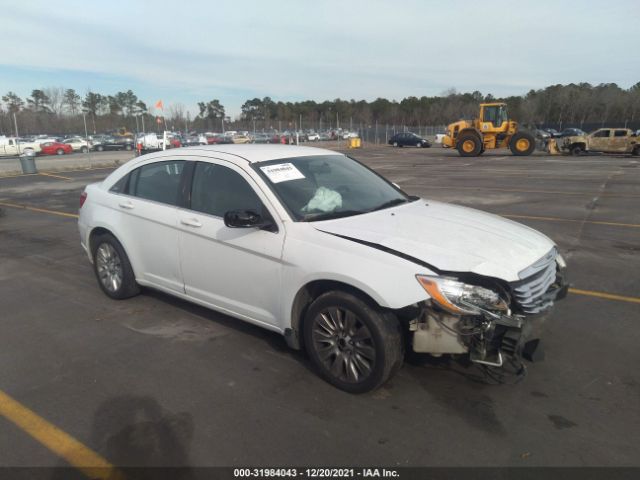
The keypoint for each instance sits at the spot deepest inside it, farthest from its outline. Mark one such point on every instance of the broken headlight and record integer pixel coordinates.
(461, 298)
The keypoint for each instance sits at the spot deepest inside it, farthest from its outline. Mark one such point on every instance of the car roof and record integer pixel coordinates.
(251, 153)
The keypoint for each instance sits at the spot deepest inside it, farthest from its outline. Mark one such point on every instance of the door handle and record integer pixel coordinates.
(126, 204)
(191, 222)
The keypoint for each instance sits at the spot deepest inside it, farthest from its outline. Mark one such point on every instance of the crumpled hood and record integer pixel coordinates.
(449, 237)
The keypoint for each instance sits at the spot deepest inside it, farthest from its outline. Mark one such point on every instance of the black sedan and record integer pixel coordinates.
(107, 142)
(571, 132)
(408, 139)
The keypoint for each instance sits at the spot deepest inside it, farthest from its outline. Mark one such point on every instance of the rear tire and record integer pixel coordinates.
(522, 144)
(353, 344)
(129, 147)
(100, 148)
(84, 149)
(112, 268)
(636, 152)
(469, 145)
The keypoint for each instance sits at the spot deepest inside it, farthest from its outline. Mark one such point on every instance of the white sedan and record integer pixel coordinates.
(79, 144)
(312, 244)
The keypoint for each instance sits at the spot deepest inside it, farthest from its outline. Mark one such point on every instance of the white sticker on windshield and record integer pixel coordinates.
(282, 172)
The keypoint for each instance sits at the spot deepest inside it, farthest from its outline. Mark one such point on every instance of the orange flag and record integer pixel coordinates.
(160, 105)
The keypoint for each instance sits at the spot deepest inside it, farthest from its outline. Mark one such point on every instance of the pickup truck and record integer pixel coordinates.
(11, 147)
(605, 140)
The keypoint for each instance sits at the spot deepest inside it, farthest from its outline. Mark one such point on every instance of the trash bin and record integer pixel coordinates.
(28, 162)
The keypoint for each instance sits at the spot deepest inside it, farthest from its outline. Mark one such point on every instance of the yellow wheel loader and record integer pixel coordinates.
(492, 129)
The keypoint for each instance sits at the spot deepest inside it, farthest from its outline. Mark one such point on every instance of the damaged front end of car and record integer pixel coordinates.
(494, 322)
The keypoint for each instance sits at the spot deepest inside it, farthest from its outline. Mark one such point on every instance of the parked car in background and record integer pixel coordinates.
(568, 132)
(261, 138)
(313, 245)
(12, 146)
(313, 136)
(552, 132)
(605, 140)
(241, 139)
(109, 142)
(191, 141)
(217, 138)
(55, 148)
(408, 139)
(542, 134)
(149, 142)
(79, 144)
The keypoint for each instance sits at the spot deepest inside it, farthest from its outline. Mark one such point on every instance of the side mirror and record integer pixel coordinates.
(246, 219)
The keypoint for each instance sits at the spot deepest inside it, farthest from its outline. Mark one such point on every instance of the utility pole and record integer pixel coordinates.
(86, 134)
(301, 122)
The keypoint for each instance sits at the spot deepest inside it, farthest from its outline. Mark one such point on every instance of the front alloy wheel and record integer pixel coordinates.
(354, 344)
(344, 344)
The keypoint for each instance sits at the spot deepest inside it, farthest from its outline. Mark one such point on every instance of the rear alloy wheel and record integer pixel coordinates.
(469, 145)
(354, 345)
(522, 143)
(84, 149)
(112, 268)
(100, 148)
(395, 144)
(129, 147)
(60, 152)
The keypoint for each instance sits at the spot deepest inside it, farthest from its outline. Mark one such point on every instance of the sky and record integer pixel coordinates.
(191, 51)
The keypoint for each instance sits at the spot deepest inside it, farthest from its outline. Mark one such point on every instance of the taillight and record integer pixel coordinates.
(83, 198)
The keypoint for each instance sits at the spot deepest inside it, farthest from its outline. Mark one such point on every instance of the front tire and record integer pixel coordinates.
(112, 268)
(128, 147)
(469, 145)
(84, 149)
(576, 150)
(353, 344)
(522, 144)
(60, 152)
(100, 148)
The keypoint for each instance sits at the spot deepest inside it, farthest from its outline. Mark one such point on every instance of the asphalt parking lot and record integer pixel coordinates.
(156, 381)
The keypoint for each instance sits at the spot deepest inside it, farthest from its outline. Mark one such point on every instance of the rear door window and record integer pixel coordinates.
(620, 133)
(159, 181)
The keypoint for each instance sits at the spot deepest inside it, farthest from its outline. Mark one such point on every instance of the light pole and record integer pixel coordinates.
(86, 135)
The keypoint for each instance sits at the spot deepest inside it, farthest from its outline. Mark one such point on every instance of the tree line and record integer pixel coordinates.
(63, 110)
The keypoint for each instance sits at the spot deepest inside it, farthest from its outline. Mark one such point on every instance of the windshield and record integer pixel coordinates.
(328, 186)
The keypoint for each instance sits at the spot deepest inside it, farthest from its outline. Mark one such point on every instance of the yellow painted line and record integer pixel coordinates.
(571, 220)
(54, 176)
(607, 296)
(551, 192)
(62, 444)
(41, 210)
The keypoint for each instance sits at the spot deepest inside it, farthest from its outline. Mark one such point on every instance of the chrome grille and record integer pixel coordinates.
(529, 292)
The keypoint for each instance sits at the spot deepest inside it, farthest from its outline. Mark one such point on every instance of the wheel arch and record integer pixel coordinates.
(305, 297)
